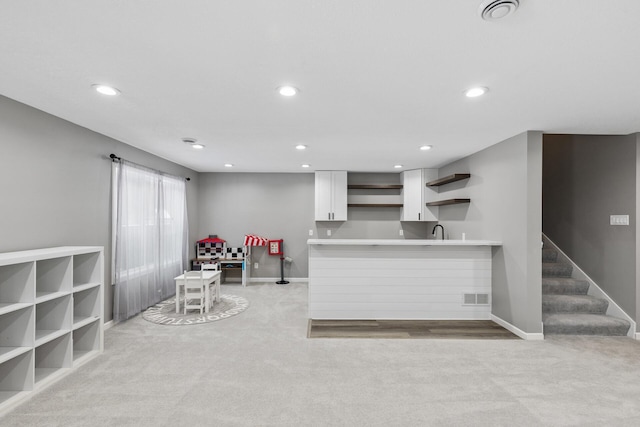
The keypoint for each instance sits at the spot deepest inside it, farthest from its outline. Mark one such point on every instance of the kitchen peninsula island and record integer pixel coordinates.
(400, 279)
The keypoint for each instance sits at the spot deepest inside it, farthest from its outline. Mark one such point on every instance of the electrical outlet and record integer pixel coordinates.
(328, 232)
(255, 265)
(310, 232)
(401, 232)
(619, 220)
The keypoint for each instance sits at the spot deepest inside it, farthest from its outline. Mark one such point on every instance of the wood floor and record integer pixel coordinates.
(438, 329)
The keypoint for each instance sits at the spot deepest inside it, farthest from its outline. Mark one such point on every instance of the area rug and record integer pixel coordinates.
(164, 313)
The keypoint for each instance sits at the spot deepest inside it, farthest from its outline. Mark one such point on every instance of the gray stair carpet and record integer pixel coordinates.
(556, 269)
(584, 324)
(549, 255)
(573, 304)
(566, 307)
(564, 286)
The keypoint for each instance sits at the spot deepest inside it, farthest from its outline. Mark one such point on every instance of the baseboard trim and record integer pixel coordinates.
(107, 325)
(275, 279)
(538, 336)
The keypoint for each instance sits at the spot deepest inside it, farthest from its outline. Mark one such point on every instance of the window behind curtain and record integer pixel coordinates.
(150, 232)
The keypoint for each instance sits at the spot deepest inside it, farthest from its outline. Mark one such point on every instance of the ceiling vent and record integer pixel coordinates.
(492, 10)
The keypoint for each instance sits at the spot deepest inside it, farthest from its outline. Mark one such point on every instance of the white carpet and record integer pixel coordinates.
(259, 369)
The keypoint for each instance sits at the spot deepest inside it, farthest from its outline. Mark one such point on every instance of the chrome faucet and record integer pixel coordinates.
(434, 230)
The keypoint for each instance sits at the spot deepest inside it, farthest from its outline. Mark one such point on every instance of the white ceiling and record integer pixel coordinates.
(378, 78)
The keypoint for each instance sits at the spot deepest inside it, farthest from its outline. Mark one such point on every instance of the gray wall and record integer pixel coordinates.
(637, 237)
(505, 192)
(272, 205)
(55, 184)
(586, 179)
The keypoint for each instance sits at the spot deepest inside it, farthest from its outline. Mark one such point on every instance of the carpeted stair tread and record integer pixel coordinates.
(556, 269)
(573, 304)
(564, 286)
(549, 255)
(584, 324)
(566, 307)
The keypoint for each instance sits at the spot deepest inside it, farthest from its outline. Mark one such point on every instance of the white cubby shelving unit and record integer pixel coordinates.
(51, 316)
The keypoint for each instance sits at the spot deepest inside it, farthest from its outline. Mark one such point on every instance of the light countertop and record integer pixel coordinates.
(402, 242)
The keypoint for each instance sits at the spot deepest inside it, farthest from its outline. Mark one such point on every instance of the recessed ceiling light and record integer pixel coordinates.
(397, 166)
(301, 147)
(476, 91)
(305, 165)
(426, 147)
(287, 90)
(106, 90)
(228, 165)
(193, 143)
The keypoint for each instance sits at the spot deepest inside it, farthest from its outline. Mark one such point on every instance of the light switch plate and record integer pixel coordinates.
(401, 232)
(310, 232)
(328, 232)
(619, 220)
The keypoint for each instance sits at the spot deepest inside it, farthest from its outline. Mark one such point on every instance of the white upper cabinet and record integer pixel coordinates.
(331, 196)
(415, 195)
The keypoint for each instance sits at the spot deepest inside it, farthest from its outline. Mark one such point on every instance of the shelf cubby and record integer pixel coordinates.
(53, 318)
(16, 286)
(86, 306)
(53, 356)
(53, 277)
(86, 341)
(16, 334)
(16, 377)
(86, 269)
(367, 194)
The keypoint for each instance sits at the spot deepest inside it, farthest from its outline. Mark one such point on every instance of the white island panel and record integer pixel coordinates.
(393, 279)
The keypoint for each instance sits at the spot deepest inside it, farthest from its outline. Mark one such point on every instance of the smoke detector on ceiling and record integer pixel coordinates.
(492, 10)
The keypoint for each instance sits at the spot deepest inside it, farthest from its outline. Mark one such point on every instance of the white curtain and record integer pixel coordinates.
(150, 237)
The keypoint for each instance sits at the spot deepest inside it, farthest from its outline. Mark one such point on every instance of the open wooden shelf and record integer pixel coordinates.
(375, 205)
(375, 186)
(448, 202)
(448, 179)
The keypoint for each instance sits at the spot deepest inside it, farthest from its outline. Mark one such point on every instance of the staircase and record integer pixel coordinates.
(566, 307)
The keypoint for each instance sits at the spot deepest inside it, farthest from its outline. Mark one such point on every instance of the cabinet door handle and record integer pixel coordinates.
(328, 215)
(333, 215)
(418, 216)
